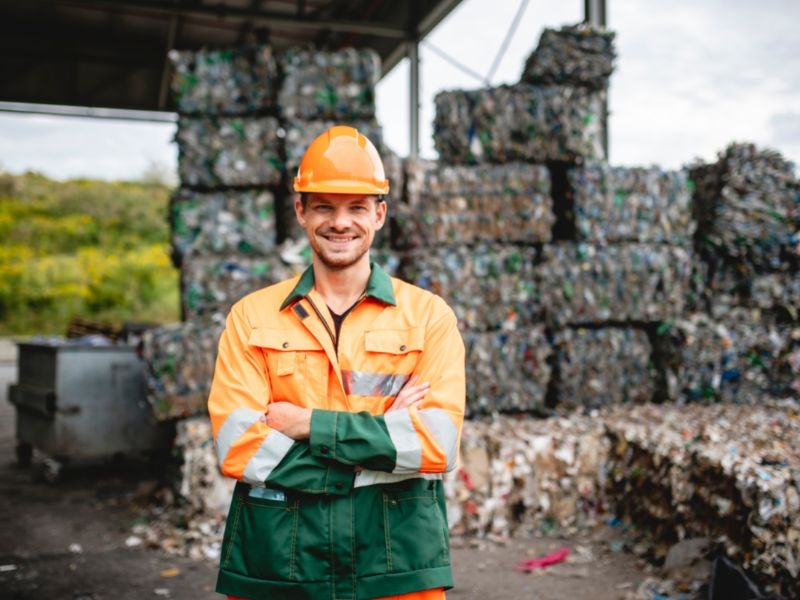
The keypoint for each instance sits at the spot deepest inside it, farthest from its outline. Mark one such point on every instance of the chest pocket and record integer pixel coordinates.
(395, 341)
(295, 361)
(394, 350)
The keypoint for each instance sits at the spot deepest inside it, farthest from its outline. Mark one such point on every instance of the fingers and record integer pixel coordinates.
(411, 394)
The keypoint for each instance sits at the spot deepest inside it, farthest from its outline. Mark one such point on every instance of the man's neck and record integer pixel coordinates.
(341, 289)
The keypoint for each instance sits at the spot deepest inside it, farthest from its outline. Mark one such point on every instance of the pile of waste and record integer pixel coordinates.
(726, 472)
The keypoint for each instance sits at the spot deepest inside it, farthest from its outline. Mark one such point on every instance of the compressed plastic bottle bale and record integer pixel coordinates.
(741, 357)
(623, 204)
(747, 205)
(490, 287)
(232, 81)
(601, 367)
(578, 55)
(179, 359)
(415, 178)
(300, 134)
(320, 85)
(518, 123)
(586, 283)
(483, 204)
(229, 151)
(507, 370)
(212, 284)
(224, 222)
(734, 284)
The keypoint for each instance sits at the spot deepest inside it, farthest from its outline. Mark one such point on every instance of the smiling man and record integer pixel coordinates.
(337, 404)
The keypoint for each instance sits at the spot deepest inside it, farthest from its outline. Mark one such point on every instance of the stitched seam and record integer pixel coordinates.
(233, 531)
(387, 536)
(442, 527)
(352, 549)
(330, 550)
(335, 423)
(293, 559)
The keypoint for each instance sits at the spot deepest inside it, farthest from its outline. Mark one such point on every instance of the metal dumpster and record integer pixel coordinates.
(80, 402)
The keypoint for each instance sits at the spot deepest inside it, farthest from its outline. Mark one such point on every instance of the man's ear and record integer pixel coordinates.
(298, 210)
(381, 211)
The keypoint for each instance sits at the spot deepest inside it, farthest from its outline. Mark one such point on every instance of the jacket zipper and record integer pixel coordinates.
(325, 324)
(332, 335)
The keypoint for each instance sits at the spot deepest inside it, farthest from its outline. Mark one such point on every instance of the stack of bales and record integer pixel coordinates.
(743, 343)
(487, 218)
(224, 223)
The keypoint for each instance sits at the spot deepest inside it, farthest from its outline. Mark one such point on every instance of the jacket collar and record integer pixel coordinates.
(379, 286)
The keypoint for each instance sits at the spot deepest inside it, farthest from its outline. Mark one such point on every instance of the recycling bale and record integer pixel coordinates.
(747, 206)
(527, 477)
(212, 284)
(489, 287)
(578, 55)
(328, 85)
(743, 357)
(179, 366)
(509, 371)
(592, 283)
(222, 222)
(601, 367)
(518, 123)
(217, 152)
(632, 204)
(232, 81)
(459, 205)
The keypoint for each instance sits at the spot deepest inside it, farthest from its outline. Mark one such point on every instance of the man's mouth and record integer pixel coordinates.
(339, 239)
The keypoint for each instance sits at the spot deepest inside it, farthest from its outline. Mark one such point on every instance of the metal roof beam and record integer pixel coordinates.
(275, 20)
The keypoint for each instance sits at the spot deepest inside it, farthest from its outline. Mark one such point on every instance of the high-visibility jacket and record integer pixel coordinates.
(304, 522)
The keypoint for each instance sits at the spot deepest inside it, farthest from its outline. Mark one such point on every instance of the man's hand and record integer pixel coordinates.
(289, 419)
(411, 394)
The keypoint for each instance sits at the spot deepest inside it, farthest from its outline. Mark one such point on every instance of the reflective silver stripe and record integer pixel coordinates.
(405, 440)
(269, 454)
(444, 432)
(368, 477)
(232, 429)
(363, 383)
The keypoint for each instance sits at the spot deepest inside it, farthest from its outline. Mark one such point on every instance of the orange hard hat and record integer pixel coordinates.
(341, 161)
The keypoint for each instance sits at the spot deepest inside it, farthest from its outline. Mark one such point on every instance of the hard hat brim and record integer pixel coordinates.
(345, 186)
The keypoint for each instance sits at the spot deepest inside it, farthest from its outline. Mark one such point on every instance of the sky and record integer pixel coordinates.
(690, 77)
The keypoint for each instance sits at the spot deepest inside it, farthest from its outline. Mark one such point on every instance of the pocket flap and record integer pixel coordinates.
(286, 340)
(394, 341)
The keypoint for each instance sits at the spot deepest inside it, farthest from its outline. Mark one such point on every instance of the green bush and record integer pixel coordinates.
(91, 249)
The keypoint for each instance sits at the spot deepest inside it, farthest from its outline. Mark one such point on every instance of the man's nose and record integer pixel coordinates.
(340, 218)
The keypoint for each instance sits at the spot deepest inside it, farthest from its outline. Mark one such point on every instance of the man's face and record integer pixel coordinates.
(340, 227)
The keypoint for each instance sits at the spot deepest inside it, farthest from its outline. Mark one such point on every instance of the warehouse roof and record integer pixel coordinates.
(113, 53)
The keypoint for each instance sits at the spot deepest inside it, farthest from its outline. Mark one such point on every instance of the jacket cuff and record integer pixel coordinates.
(322, 443)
